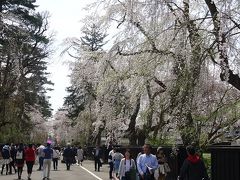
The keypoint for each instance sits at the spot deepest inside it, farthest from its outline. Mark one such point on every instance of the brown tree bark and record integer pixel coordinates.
(131, 131)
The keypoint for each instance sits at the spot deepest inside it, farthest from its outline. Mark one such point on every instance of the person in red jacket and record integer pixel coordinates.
(30, 159)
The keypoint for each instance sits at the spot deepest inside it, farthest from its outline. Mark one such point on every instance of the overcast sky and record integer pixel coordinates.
(65, 22)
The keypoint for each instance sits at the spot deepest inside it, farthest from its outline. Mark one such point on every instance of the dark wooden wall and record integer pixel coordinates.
(225, 162)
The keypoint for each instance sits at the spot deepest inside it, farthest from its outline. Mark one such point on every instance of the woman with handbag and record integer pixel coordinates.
(127, 168)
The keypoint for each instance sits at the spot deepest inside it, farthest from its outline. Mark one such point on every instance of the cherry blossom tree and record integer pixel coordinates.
(160, 75)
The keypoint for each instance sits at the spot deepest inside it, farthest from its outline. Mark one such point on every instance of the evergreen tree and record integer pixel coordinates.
(93, 38)
(23, 48)
(81, 94)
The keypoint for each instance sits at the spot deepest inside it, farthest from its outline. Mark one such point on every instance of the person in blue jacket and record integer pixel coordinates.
(6, 158)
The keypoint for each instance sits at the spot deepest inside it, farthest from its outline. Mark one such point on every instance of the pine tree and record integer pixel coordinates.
(93, 38)
(23, 48)
(92, 41)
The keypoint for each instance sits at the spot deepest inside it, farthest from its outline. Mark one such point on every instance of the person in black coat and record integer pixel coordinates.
(193, 167)
(13, 153)
(97, 153)
(68, 155)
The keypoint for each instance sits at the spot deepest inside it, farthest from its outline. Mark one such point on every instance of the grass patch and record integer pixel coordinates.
(207, 161)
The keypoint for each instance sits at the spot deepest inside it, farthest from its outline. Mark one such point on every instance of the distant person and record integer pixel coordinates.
(40, 156)
(97, 154)
(85, 152)
(20, 157)
(74, 150)
(117, 157)
(79, 155)
(6, 158)
(47, 159)
(147, 163)
(30, 159)
(13, 160)
(193, 167)
(68, 155)
(55, 158)
(110, 162)
(127, 168)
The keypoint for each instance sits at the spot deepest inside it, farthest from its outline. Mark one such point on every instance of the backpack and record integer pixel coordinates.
(55, 153)
(19, 155)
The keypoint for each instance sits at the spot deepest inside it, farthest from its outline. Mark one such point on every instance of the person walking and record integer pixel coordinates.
(97, 153)
(147, 163)
(20, 157)
(56, 156)
(40, 156)
(127, 168)
(117, 157)
(30, 159)
(13, 160)
(193, 167)
(110, 162)
(79, 156)
(6, 158)
(47, 159)
(74, 151)
(68, 155)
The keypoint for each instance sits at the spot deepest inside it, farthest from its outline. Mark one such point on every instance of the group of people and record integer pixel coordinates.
(125, 167)
(146, 166)
(73, 155)
(14, 158)
(154, 167)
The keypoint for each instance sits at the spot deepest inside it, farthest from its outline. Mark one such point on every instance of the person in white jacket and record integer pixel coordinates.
(127, 167)
(79, 156)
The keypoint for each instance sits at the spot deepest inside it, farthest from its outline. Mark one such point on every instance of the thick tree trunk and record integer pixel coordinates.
(132, 134)
(187, 76)
(142, 135)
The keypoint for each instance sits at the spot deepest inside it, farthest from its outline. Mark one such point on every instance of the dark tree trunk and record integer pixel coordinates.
(226, 74)
(141, 137)
(232, 79)
(132, 125)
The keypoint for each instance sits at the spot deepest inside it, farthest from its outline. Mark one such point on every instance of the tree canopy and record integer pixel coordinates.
(24, 47)
(171, 73)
